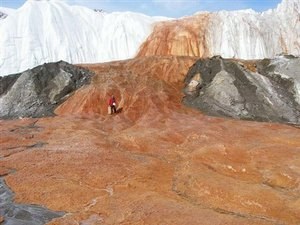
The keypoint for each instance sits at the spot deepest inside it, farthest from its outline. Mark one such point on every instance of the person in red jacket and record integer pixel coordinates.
(112, 103)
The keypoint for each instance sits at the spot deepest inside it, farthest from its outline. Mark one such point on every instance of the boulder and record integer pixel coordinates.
(37, 92)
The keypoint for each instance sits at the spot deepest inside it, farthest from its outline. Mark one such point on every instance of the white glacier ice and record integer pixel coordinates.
(250, 35)
(6, 11)
(47, 31)
(50, 30)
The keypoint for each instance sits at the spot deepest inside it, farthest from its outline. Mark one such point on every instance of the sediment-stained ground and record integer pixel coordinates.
(156, 162)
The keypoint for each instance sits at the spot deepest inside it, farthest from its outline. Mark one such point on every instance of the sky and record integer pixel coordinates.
(168, 8)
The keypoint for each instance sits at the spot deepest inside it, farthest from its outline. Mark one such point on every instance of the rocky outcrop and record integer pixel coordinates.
(37, 92)
(263, 90)
(2, 15)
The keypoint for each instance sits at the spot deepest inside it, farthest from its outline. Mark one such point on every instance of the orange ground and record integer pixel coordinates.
(156, 162)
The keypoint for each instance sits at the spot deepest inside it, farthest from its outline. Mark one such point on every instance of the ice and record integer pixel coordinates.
(49, 31)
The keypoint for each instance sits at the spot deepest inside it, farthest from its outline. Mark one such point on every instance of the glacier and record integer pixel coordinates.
(6, 11)
(242, 34)
(247, 34)
(48, 31)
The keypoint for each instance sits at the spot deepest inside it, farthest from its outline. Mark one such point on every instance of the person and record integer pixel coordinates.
(112, 103)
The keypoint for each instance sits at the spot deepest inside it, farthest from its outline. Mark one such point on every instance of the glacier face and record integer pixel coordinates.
(4, 12)
(48, 31)
(243, 34)
(7, 11)
(249, 35)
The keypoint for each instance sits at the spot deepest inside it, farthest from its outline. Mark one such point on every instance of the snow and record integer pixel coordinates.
(251, 35)
(7, 11)
(48, 31)
(4, 12)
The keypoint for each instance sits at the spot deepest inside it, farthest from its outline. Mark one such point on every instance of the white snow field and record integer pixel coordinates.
(48, 31)
(247, 34)
(6, 11)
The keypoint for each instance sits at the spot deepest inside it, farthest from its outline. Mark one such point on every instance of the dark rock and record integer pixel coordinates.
(37, 92)
(7, 82)
(99, 10)
(15, 214)
(224, 87)
(2, 15)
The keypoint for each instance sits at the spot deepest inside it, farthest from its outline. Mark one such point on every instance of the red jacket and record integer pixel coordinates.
(111, 101)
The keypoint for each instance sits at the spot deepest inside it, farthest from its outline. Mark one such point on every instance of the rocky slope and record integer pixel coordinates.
(37, 92)
(239, 34)
(49, 31)
(264, 90)
(156, 162)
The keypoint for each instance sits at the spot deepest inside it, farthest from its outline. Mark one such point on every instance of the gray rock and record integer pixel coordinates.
(37, 92)
(22, 214)
(228, 88)
(3, 15)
